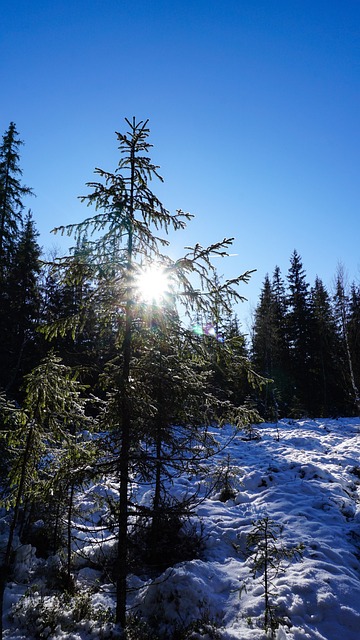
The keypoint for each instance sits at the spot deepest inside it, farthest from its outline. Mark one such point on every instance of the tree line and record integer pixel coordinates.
(304, 340)
(307, 342)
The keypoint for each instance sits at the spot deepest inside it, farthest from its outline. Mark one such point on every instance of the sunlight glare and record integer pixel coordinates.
(152, 284)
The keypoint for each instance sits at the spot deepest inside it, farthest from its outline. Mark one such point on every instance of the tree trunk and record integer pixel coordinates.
(124, 458)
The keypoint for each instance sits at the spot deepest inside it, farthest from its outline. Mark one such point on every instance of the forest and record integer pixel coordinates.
(101, 379)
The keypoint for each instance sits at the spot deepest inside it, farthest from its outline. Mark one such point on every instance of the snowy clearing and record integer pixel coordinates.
(303, 478)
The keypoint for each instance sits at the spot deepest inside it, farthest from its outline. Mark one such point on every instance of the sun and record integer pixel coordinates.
(152, 284)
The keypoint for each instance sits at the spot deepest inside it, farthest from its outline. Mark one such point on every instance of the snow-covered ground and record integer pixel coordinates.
(302, 478)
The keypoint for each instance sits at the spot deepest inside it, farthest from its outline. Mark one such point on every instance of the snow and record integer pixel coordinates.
(304, 476)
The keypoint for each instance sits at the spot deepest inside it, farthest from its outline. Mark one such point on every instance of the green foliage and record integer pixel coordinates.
(267, 554)
(225, 479)
(12, 193)
(53, 411)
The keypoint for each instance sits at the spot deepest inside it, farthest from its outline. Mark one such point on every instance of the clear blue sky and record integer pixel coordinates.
(253, 108)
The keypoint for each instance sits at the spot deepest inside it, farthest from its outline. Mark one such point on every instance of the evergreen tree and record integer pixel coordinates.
(325, 399)
(264, 330)
(12, 193)
(278, 289)
(342, 311)
(298, 333)
(354, 330)
(20, 313)
(265, 338)
(124, 227)
(52, 411)
(12, 247)
(269, 347)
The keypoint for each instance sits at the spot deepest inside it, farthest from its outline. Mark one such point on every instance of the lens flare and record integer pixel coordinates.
(207, 329)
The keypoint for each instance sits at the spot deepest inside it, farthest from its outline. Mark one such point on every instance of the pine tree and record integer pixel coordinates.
(269, 346)
(263, 331)
(125, 230)
(12, 193)
(268, 554)
(12, 231)
(325, 399)
(264, 338)
(278, 289)
(298, 333)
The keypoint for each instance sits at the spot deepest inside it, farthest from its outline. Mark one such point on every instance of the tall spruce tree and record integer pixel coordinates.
(269, 346)
(264, 339)
(281, 370)
(12, 229)
(124, 227)
(298, 333)
(12, 193)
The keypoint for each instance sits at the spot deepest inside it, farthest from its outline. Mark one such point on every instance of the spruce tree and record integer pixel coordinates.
(12, 193)
(325, 399)
(354, 329)
(342, 310)
(263, 330)
(298, 333)
(52, 411)
(269, 346)
(125, 240)
(264, 342)
(22, 309)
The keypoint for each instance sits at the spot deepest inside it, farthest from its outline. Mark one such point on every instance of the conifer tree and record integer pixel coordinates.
(12, 230)
(12, 193)
(354, 329)
(264, 335)
(324, 374)
(175, 404)
(341, 301)
(298, 332)
(21, 310)
(269, 346)
(52, 411)
(281, 369)
(278, 289)
(124, 227)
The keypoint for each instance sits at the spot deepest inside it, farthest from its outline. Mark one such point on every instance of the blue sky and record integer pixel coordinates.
(253, 108)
